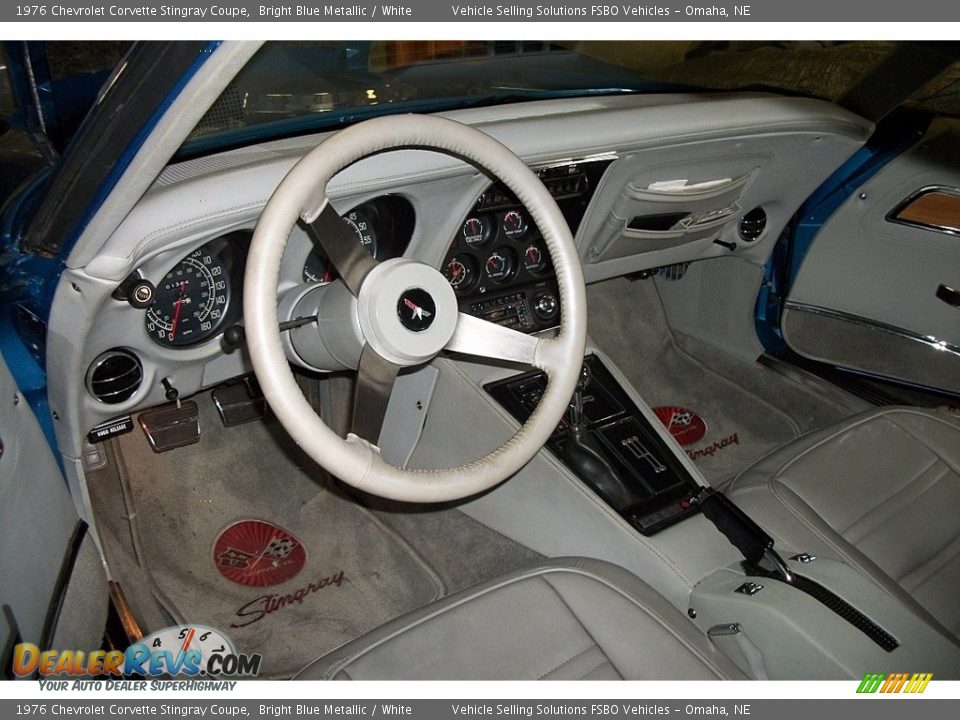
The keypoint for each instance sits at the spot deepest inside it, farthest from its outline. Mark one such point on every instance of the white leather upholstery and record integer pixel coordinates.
(881, 491)
(570, 619)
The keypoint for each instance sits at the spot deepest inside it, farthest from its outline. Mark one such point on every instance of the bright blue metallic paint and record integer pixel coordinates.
(28, 281)
(25, 279)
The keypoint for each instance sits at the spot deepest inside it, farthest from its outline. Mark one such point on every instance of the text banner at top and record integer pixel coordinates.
(78, 11)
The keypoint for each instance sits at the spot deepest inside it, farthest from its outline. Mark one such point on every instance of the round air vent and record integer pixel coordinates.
(753, 224)
(114, 376)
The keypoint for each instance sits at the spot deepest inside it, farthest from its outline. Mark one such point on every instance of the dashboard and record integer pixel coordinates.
(146, 309)
(498, 264)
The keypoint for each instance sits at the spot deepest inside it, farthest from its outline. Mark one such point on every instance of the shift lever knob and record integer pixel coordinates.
(584, 378)
(576, 403)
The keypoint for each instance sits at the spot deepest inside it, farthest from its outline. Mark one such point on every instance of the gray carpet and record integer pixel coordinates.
(182, 499)
(175, 504)
(748, 409)
(461, 551)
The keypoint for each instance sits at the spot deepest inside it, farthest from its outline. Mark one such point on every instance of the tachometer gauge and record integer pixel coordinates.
(358, 221)
(534, 261)
(515, 224)
(318, 268)
(477, 231)
(191, 301)
(461, 272)
(500, 265)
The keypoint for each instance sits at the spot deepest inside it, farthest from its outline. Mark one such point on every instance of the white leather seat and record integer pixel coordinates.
(569, 619)
(880, 491)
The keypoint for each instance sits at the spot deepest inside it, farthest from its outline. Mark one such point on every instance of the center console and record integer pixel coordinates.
(611, 446)
(807, 617)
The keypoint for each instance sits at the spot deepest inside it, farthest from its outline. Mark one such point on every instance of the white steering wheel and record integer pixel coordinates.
(406, 312)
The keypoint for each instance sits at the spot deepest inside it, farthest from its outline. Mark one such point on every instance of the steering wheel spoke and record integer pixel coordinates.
(349, 257)
(375, 378)
(481, 338)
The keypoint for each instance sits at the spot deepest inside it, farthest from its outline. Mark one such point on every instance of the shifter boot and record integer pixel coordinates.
(577, 451)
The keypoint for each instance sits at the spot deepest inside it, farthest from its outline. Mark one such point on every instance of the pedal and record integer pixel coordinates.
(239, 402)
(171, 426)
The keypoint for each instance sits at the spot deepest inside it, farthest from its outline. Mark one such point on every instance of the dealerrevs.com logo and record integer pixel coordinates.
(889, 683)
(183, 650)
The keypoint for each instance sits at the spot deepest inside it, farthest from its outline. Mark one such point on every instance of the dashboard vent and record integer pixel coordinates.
(114, 376)
(753, 224)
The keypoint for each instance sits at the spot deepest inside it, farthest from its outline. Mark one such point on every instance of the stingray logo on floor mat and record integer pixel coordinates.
(260, 607)
(685, 425)
(258, 553)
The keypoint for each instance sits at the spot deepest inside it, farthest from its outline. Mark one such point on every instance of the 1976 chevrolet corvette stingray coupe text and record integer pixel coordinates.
(431, 360)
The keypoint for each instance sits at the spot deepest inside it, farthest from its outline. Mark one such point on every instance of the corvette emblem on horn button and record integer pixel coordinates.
(416, 309)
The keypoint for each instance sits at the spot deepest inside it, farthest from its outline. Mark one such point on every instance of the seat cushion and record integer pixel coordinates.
(881, 491)
(570, 619)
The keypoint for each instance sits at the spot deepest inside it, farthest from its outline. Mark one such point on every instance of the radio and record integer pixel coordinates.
(528, 310)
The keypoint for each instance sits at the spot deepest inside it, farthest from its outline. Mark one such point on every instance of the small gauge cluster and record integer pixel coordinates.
(498, 263)
(500, 268)
(497, 247)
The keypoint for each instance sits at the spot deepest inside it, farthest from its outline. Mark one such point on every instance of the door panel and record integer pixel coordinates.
(875, 291)
(42, 542)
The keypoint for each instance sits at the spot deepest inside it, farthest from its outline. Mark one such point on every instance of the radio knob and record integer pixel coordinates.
(545, 305)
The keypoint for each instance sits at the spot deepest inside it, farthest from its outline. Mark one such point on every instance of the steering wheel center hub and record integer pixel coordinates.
(407, 311)
(416, 309)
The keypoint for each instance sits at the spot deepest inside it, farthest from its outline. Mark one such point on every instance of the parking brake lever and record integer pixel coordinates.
(743, 533)
(757, 547)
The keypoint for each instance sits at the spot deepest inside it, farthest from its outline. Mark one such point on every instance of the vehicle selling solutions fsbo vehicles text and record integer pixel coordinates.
(626, 11)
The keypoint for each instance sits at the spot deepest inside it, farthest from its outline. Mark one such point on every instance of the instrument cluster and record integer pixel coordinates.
(499, 266)
(201, 296)
(498, 263)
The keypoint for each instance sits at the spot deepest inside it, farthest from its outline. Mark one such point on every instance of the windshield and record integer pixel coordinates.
(298, 87)
(318, 84)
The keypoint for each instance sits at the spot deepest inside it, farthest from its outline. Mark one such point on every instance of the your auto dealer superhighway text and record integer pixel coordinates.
(144, 11)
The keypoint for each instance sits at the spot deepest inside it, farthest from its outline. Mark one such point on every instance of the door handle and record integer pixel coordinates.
(949, 295)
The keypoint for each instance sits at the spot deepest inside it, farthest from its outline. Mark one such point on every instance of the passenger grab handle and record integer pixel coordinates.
(743, 533)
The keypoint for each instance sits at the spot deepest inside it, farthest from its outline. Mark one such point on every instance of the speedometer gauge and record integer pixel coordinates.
(191, 301)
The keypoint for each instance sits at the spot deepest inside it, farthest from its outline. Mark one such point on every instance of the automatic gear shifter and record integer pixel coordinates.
(581, 453)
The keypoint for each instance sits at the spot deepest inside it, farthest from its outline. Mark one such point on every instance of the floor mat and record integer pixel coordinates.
(356, 572)
(722, 424)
